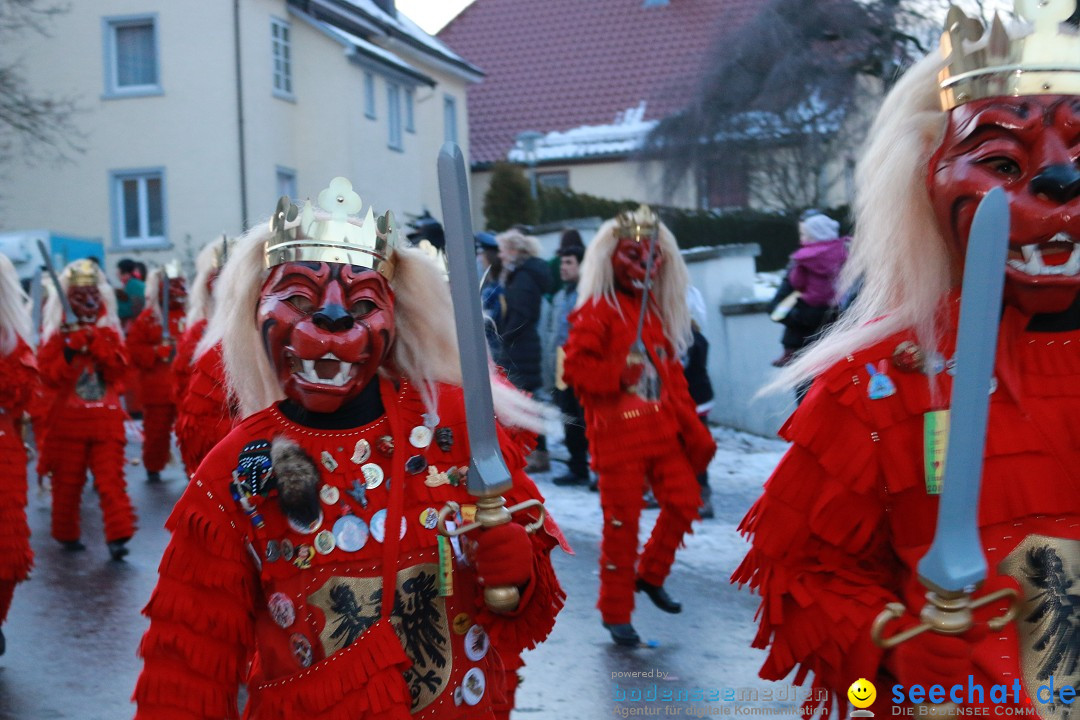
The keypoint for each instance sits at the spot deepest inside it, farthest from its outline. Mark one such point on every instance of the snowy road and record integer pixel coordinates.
(74, 627)
(706, 648)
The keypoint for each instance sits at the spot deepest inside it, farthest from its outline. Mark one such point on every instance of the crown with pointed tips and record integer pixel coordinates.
(171, 269)
(301, 235)
(82, 273)
(988, 63)
(637, 224)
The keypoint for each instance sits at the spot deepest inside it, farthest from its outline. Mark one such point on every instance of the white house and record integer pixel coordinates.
(199, 114)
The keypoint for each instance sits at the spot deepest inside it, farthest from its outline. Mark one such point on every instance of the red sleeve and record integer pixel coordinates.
(142, 337)
(821, 557)
(202, 618)
(110, 353)
(593, 362)
(56, 371)
(18, 379)
(543, 598)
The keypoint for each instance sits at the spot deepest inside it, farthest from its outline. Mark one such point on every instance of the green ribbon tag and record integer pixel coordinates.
(446, 567)
(935, 440)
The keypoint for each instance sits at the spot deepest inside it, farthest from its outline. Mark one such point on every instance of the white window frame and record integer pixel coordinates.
(410, 110)
(450, 122)
(109, 26)
(116, 188)
(285, 176)
(393, 116)
(281, 58)
(369, 94)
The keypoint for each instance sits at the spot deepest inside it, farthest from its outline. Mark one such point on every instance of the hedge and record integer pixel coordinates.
(776, 234)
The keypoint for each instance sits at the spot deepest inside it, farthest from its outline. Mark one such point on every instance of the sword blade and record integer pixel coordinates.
(955, 561)
(69, 314)
(164, 305)
(488, 474)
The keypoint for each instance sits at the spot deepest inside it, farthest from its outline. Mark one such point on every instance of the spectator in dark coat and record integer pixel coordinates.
(525, 280)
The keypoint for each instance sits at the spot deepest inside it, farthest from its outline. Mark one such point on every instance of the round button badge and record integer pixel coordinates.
(420, 436)
(429, 518)
(373, 475)
(473, 685)
(476, 643)
(351, 533)
(378, 526)
(301, 649)
(325, 542)
(329, 494)
(281, 608)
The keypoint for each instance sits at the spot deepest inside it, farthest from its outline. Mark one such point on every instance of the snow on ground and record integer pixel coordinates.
(737, 473)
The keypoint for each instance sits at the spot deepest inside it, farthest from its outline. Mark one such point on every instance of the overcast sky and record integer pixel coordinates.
(431, 15)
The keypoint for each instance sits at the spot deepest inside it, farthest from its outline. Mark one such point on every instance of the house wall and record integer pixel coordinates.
(743, 341)
(190, 130)
(615, 180)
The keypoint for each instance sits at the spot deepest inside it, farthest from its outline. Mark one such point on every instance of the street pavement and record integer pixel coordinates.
(73, 629)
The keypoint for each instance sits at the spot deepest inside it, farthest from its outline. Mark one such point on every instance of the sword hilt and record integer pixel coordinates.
(948, 614)
(945, 613)
(492, 512)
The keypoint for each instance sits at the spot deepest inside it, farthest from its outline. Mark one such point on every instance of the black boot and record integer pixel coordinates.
(624, 634)
(659, 597)
(3, 643)
(118, 549)
(72, 545)
(153, 476)
(706, 511)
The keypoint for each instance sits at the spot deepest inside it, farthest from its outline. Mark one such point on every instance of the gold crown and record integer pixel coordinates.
(82, 273)
(333, 239)
(171, 270)
(637, 224)
(1043, 61)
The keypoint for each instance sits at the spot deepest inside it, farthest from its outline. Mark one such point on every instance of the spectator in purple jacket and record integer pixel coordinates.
(812, 273)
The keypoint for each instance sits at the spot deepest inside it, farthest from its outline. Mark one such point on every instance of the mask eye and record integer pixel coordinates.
(1003, 166)
(360, 308)
(301, 303)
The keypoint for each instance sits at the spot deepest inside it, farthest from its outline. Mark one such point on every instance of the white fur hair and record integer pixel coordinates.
(522, 243)
(52, 315)
(14, 308)
(667, 294)
(424, 351)
(200, 304)
(898, 254)
(153, 292)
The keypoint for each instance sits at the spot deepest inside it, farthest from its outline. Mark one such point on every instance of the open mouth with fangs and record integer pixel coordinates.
(328, 371)
(1057, 259)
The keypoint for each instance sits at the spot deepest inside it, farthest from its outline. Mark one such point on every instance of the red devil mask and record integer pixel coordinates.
(1029, 146)
(327, 329)
(86, 303)
(177, 293)
(629, 262)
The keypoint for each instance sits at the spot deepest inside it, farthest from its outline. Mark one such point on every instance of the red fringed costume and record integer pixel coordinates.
(846, 517)
(154, 361)
(85, 370)
(18, 379)
(664, 443)
(238, 582)
(203, 414)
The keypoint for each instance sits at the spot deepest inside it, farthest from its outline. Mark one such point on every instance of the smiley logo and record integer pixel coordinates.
(862, 693)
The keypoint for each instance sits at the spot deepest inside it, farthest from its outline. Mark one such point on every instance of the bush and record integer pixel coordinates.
(777, 235)
(508, 200)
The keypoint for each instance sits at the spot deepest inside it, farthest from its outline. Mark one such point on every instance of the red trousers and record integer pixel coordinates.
(95, 443)
(676, 489)
(157, 431)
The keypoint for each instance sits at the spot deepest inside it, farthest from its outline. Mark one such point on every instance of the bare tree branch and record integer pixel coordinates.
(34, 125)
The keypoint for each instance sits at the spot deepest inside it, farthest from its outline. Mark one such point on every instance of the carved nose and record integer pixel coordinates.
(1060, 183)
(332, 318)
